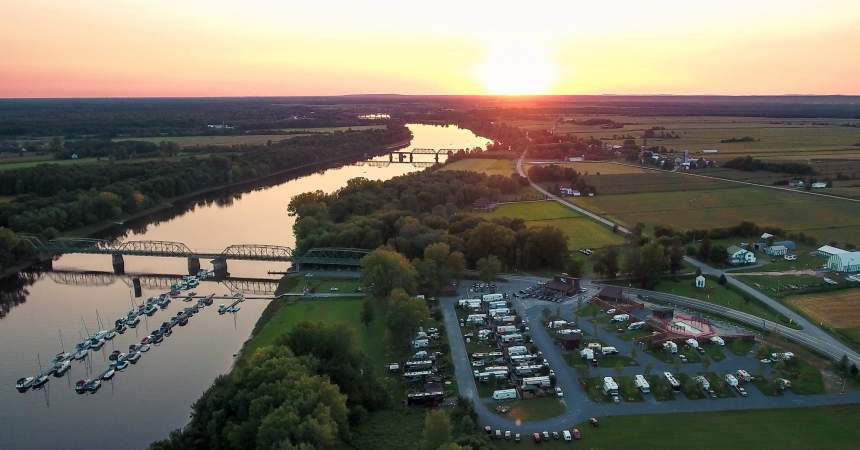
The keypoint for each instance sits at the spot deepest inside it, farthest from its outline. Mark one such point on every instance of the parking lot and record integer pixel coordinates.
(700, 374)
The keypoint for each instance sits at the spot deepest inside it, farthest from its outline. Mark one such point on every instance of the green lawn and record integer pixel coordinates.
(282, 315)
(535, 409)
(325, 285)
(504, 167)
(580, 231)
(784, 285)
(831, 428)
(720, 295)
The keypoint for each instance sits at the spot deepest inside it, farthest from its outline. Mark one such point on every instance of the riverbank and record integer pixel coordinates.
(97, 230)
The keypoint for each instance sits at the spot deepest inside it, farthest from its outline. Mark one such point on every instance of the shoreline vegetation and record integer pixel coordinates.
(119, 203)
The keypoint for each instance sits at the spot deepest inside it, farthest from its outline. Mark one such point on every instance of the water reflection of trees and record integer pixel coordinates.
(13, 290)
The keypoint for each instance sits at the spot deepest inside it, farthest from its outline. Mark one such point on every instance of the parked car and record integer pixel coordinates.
(593, 421)
(566, 435)
(545, 435)
(488, 429)
(517, 437)
(558, 392)
(555, 435)
(508, 435)
(577, 434)
(536, 437)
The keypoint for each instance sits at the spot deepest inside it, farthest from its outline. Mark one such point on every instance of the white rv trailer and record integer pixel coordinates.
(642, 384)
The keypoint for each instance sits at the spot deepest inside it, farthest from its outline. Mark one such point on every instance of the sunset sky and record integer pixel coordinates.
(118, 48)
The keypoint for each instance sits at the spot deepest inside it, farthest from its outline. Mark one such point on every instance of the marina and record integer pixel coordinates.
(172, 374)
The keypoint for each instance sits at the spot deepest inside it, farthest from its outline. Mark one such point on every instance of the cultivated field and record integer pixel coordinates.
(773, 138)
(682, 208)
(839, 309)
(580, 231)
(504, 167)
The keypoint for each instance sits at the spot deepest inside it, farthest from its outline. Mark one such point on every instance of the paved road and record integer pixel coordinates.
(811, 335)
(578, 406)
(566, 203)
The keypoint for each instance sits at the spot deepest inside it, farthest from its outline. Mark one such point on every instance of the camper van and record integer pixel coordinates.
(635, 325)
(692, 343)
(506, 329)
(505, 320)
(586, 354)
(497, 304)
(718, 340)
(557, 324)
(594, 346)
(470, 303)
(492, 297)
(676, 385)
(510, 338)
(498, 312)
(517, 350)
(744, 376)
(476, 319)
(609, 351)
(621, 317)
(610, 388)
(523, 359)
(505, 394)
(670, 347)
(642, 384)
(537, 381)
(528, 370)
(568, 331)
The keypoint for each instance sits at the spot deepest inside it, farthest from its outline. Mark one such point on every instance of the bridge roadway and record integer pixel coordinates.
(327, 256)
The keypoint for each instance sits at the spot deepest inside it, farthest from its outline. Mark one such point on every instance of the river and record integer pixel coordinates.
(149, 399)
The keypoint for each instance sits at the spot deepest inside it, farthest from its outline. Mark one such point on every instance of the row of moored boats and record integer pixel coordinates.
(119, 361)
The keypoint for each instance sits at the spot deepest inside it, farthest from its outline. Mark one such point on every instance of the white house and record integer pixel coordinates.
(738, 256)
(700, 281)
(844, 262)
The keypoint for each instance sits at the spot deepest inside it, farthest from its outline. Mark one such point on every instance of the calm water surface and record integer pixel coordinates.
(148, 400)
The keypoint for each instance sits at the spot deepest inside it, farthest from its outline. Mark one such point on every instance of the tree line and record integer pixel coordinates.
(51, 198)
(750, 164)
(411, 212)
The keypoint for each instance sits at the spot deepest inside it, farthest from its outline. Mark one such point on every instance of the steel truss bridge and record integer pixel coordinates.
(324, 256)
(153, 281)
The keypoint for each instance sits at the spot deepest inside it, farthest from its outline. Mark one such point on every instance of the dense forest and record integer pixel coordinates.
(50, 198)
(409, 213)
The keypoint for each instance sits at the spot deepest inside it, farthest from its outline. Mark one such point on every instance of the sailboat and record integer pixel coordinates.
(42, 377)
(62, 361)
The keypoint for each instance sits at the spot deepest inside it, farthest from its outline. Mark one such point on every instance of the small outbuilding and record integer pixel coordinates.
(700, 282)
(826, 251)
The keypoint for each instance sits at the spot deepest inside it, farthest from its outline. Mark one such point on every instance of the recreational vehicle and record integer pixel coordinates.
(676, 385)
(642, 384)
(635, 325)
(505, 394)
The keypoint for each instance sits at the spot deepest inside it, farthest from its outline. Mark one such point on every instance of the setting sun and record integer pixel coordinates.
(517, 68)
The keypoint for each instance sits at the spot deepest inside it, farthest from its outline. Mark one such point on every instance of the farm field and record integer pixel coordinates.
(774, 139)
(838, 311)
(775, 429)
(825, 219)
(580, 231)
(596, 168)
(190, 141)
(504, 167)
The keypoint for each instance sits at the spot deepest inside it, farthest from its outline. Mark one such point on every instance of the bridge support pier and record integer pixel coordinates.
(118, 263)
(193, 265)
(219, 265)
